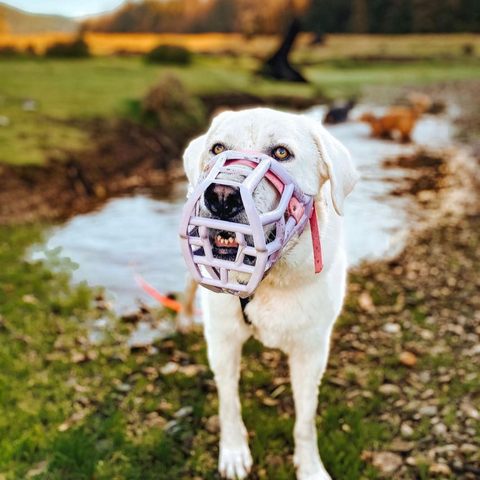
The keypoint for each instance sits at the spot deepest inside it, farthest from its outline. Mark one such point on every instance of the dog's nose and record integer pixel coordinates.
(223, 201)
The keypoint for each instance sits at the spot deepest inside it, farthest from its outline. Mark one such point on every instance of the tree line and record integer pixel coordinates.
(253, 17)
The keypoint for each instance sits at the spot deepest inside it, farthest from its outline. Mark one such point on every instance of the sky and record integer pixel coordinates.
(68, 8)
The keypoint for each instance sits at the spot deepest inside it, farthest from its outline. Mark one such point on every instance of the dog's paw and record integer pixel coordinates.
(184, 323)
(320, 476)
(321, 473)
(235, 463)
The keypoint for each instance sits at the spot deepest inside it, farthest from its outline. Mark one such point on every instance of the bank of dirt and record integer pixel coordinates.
(121, 156)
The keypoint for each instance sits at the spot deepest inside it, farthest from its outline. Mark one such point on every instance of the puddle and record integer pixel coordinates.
(139, 234)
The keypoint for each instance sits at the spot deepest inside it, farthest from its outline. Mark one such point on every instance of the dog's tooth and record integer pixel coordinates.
(230, 240)
(222, 241)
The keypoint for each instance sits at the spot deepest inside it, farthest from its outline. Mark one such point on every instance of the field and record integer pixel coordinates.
(75, 409)
(99, 87)
(335, 46)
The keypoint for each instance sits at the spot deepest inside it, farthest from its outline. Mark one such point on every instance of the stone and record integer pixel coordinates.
(183, 412)
(389, 389)
(401, 446)
(440, 429)
(365, 301)
(392, 328)
(411, 462)
(440, 469)
(428, 410)
(408, 358)
(169, 368)
(387, 462)
(470, 411)
(212, 425)
(406, 430)
(469, 448)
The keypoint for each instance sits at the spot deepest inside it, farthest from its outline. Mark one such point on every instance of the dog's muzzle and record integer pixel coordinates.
(226, 256)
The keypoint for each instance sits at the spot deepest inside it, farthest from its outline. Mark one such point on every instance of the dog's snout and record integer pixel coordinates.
(223, 201)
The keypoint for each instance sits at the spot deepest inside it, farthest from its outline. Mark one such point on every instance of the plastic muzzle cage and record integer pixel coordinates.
(288, 218)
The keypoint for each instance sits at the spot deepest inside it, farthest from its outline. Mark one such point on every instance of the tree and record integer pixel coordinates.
(278, 65)
(359, 16)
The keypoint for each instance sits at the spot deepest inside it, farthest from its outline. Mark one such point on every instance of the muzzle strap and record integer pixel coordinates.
(317, 244)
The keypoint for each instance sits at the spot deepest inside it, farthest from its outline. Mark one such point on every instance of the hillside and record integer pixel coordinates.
(13, 20)
(271, 16)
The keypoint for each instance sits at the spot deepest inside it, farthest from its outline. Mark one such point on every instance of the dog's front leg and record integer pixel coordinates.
(224, 353)
(307, 366)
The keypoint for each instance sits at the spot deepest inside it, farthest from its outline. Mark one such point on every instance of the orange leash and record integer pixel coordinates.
(162, 299)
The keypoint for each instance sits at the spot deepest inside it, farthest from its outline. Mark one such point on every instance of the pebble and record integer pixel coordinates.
(170, 425)
(469, 448)
(392, 328)
(440, 469)
(212, 425)
(169, 368)
(365, 301)
(427, 393)
(123, 387)
(183, 412)
(406, 430)
(401, 446)
(440, 429)
(428, 410)
(470, 411)
(387, 462)
(411, 462)
(389, 389)
(408, 359)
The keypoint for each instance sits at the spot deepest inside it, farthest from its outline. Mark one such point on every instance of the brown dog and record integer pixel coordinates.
(397, 119)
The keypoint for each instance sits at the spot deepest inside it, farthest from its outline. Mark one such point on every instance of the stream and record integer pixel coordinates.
(138, 234)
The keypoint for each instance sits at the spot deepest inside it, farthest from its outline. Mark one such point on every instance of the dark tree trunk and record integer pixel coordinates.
(278, 66)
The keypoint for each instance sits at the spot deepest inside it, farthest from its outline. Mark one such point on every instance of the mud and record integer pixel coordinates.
(121, 158)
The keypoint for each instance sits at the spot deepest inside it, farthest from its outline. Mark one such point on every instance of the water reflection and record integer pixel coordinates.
(139, 234)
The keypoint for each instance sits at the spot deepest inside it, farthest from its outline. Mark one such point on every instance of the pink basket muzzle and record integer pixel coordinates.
(255, 244)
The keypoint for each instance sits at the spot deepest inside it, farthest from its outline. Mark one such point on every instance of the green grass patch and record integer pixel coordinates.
(102, 87)
(82, 423)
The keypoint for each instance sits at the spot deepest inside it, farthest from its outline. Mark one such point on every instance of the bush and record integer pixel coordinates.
(173, 106)
(76, 49)
(170, 54)
(8, 51)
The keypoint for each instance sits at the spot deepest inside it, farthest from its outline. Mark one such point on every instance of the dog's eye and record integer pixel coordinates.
(218, 148)
(281, 153)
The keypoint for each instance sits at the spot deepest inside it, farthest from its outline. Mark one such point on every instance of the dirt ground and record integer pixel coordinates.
(405, 352)
(122, 156)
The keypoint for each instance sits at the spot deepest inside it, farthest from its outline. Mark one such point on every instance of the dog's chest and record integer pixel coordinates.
(279, 320)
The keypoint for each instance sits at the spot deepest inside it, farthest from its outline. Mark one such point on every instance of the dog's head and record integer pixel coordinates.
(307, 151)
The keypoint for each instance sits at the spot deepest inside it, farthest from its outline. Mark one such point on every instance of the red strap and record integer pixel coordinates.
(294, 206)
(317, 245)
(295, 209)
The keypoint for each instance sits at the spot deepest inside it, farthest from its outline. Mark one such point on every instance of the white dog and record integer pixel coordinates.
(293, 309)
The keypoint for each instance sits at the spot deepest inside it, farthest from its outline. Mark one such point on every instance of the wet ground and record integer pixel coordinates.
(138, 234)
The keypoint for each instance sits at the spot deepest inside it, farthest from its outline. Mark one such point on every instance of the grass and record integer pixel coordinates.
(41, 387)
(104, 417)
(336, 46)
(100, 87)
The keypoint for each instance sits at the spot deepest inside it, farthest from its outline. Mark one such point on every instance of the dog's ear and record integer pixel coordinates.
(192, 159)
(340, 169)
